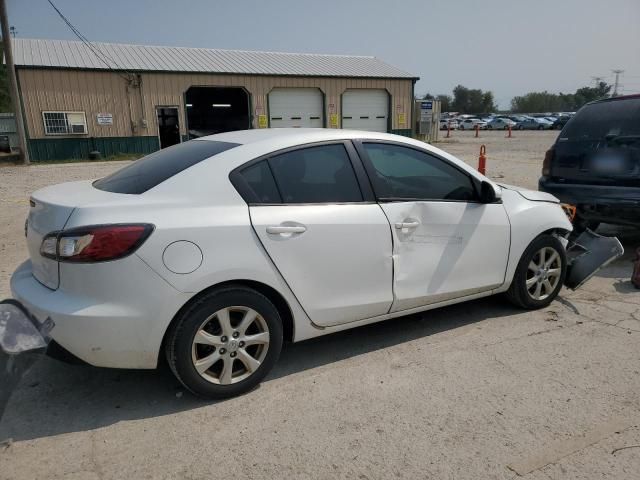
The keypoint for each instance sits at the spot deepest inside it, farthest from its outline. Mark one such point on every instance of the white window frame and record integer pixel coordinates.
(65, 112)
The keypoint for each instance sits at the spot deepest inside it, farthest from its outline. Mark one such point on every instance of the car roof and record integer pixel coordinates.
(294, 136)
(615, 99)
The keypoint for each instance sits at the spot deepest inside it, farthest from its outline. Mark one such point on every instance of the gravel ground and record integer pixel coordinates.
(473, 391)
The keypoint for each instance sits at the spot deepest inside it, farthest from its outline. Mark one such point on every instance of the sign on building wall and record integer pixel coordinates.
(105, 119)
(262, 121)
(333, 120)
(426, 111)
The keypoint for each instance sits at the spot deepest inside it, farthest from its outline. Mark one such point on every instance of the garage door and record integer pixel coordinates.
(365, 110)
(295, 107)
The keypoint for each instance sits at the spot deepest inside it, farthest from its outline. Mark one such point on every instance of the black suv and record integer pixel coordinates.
(595, 163)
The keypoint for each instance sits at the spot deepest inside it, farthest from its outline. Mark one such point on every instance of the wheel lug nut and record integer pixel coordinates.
(233, 354)
(223, 351)
(241, 344)
(235, 334)
(224, 339)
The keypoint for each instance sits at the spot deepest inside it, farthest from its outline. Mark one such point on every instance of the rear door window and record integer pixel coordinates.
(152, 170)
(611, 118)
(320, 174)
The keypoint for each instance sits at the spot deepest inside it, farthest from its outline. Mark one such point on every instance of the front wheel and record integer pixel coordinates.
(540, 274)
(225, 342)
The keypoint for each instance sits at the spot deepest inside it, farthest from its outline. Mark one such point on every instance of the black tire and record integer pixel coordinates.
(541, 127)
(520, 127)
(180, 339)
(518, 294)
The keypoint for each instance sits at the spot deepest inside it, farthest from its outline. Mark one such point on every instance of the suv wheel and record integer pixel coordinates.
(225, 342)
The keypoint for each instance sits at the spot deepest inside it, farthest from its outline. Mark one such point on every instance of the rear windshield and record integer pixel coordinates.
(596, 121)
(154, 169)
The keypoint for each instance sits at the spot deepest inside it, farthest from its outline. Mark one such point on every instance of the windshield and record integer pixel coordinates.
(599, 120)
(150, 171)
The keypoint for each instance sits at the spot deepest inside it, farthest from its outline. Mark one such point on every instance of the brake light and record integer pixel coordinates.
(97, 243)
(546, 164)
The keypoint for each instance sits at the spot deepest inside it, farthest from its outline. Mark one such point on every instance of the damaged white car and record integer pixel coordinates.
(216, 251)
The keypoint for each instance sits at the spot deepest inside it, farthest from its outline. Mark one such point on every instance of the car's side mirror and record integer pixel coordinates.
(489, 194)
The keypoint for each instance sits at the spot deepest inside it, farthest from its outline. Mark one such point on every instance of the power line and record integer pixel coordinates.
(104, 58)
(617, 84)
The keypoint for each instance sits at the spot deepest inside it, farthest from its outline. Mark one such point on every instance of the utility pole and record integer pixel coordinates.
(13, 82)
(617, 83)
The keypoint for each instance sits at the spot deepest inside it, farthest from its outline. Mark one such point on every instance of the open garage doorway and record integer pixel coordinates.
(216, 109)
(168, 126)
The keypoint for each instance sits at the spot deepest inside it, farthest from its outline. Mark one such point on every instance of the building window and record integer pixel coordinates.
(64, 123)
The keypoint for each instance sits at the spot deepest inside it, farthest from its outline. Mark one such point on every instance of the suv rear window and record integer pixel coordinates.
(152, 170)
(596, 121)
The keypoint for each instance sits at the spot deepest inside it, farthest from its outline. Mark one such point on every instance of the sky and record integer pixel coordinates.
(507, 46)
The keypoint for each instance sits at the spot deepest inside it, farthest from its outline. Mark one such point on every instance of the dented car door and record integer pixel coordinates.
(446, 243)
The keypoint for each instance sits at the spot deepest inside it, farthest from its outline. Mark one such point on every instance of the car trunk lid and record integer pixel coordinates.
(50, 211)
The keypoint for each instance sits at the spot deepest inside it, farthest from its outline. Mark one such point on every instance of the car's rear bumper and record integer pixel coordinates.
(602, 203)
(116, 324)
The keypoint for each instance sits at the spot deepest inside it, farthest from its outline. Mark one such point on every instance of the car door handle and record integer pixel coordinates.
(401, 225)
(280, 229)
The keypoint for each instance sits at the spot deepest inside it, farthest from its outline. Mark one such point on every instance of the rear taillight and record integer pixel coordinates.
(97, 243)
(546, 165)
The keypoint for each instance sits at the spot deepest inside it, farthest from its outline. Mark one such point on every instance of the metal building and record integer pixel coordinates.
(118, 98)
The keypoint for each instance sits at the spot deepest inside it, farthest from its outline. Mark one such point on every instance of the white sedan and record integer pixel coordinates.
(216, 251)
(471, 123)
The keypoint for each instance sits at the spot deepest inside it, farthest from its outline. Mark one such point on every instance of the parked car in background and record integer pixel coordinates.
(595, 163)
(470, 124)
(517, 118)
(215, 251)
(532, 123)
(500, 123)
(560, 123)
(451, 124)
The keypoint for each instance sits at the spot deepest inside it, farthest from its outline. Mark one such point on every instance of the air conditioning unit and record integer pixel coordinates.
(78, 128)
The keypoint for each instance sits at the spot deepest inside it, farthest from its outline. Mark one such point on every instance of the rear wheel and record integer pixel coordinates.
(540, 274)
(225, 342)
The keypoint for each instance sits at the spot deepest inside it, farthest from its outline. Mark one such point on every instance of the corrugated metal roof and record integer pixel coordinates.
(75, 54)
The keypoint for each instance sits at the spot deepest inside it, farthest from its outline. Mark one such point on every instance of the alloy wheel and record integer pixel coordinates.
(543, 273)
(230, 345)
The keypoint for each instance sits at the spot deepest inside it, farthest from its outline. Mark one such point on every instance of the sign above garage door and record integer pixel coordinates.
(365, 109)
(296, 107)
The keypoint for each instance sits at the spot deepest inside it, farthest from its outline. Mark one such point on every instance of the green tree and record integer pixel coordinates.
(559, 102)
(467, 100)
(589, 94)
(445, 102)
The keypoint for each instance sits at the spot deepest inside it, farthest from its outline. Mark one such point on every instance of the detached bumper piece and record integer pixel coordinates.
(588, 254)
(22, 341)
